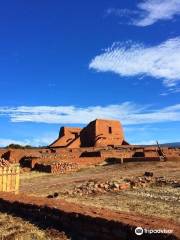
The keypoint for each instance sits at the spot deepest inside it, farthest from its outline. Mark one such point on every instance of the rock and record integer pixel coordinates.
(106, 186)
(50, 196)
(124, 186)
(148, 174)
(116, 185)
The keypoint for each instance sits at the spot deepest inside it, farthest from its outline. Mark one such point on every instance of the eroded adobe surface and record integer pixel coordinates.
(101, 133)
(68, 137)
(98, 133)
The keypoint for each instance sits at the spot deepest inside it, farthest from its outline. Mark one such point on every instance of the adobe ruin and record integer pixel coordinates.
(101, 141)
(68, 138)
(98, 133)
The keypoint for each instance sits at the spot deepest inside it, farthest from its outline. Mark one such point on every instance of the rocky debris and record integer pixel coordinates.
(94, 187)
(4, 163)
(139, 182)
(160, 181)
(148, 174)
(148, 180)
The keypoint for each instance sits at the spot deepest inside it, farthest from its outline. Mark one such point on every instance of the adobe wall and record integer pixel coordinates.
(88, 135)
(68, 137)
(85, 156)
(108, 133)
(101, 133)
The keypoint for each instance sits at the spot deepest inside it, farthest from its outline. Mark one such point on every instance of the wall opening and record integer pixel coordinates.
(76, 135)
(139, 154)
(110, 130)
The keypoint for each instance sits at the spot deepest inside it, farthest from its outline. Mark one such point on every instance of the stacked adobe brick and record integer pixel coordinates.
(56, 167)
(4, 163)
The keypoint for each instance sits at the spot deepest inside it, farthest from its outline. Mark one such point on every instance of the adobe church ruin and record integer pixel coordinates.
(101, 141)
(98, 133)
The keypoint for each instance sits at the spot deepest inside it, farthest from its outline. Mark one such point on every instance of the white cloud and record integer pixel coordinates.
(170, 91)
(42, 141)
(148, 12)
(152, 11)
(128, 113)
(6, 141)
(130, 59)
(149, 142)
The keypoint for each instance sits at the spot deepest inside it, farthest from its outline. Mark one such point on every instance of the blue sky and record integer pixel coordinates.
(69, 62)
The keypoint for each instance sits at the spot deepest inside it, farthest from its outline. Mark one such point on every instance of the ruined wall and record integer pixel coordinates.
(98, 133)
(86, 156)
(68, 137)
(101, 133)
(108, 133)
(88, 135)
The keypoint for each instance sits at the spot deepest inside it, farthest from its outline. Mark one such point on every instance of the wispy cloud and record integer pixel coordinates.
(149, 142)
(41, 141)
(170, 91)
(6, 141)
(35, 141)
(128, 113)
(120, 12)
(130, 59)
(148, 12)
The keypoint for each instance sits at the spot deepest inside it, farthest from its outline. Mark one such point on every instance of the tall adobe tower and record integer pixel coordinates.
(101, 133)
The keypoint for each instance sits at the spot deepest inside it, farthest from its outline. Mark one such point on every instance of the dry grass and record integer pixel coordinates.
(14, 228)
(33, 174)
(157, 201)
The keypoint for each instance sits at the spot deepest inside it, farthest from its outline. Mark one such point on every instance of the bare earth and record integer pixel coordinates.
(153, 201)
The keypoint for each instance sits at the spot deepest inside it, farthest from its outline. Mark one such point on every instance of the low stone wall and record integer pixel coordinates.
(134, 159)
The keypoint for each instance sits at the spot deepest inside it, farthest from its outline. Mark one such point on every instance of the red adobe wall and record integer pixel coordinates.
(68, 137)
(102, 133)
(85, 156)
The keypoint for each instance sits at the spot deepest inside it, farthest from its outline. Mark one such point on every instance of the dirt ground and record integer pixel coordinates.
(152, 201)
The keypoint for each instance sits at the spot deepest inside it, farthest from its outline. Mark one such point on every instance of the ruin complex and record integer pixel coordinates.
(98, 133)
(100, 142)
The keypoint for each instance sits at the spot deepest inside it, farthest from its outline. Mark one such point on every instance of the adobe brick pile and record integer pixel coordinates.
(56, 167)
(63, 167)
(4, 163)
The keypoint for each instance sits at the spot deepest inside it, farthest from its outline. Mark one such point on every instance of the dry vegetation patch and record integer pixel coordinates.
(14, 228)
(101, 186)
